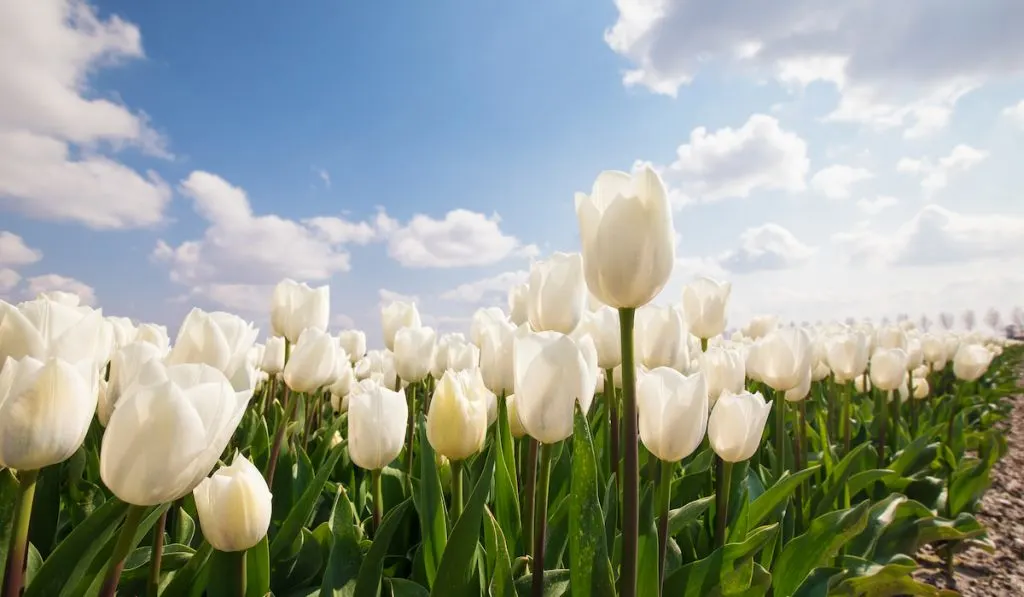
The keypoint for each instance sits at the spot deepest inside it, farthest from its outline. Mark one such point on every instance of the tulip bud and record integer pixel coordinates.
(921, 388)
(551, 375)
(313, 362)
(847, 355)
(557, 293)
(784, 357)
(496, 354)
(515, 424)
(220, 340)
(724, 371)
(45, 410)
(456, 420)
(971, 361)
(627, 237)
(354, 344)
(273, 355)
(888, 368)
(736, 425)
(462, 356)
(704, 302)
(518, 303)
(396, 316)
(234, 506)
(377, 422)
(164, 438)
(673, 412)
(662, 337)
(296, 307)
(414, 353)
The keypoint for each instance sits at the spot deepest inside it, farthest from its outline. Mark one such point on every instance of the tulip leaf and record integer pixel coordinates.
(191, 580)
(647, 546)
(506, 494)
(691, 512)
(303, 508)
(8, 501)
(401, 587)
(556, 584)
(345, 557)
(175, 557)
(825, 497)
(42, 530)
(257, 567)
(727, 570)
(865, 479)
(817, 546)
(429, 498)
(455, 573)
(502, 584)
(73, 556)
(370, 573)
(768, 502)
(588, 555)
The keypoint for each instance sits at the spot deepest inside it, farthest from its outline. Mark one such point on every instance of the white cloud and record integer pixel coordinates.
(52, 127)
(14, 251)
(1015, 113)
(493, 288)
(730, 162)
(462, 238)
(766, 247)
(51, 282)
(8, 280)
(336, 230)
(935, 176)
(873, 207)
(903, 64)
(836, 181)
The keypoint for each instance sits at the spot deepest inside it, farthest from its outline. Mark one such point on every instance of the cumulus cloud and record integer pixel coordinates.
(8, 280)
(462, 238)
(491, 288)
(837, 181)
(1015, 113)
(935, 175)
(14, 252)
(766, 247)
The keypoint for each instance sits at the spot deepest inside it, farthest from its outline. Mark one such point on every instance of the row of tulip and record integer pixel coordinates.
(584, 441)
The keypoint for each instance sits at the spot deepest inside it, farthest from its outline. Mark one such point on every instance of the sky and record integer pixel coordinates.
(855, 158)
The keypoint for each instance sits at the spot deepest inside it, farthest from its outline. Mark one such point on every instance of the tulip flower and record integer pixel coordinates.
(971, 361)
(496, 355)
(557, 293)
(518, 303)
(673, 412)
(354, 344)
(551, 375)
(414, 353)
(761, 326)
(155, 335)
(377, 422)
(344, 376)
(602, 324)
(662, 337)
(862, 383)
(783, 357)
(44, 329)
(273, 355)
(847, 355)
(799, 393)
(457, 425)
(891, 337)
(462, 356)
(724, 371)
(628, 239)
(483, 319)
(234, 506)
(736, 425)
(515, 423)
(296, 307)
(220, 340)
(888, 368)
(313, 362)
(132, 364)
(69, 299)
(123, 331)
(704, 302)
(398, 315)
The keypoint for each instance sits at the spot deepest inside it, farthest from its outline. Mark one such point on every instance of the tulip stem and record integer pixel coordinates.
(14, 573)
(847, 416)
(631, 465)
(881, 411)
(157, 554)
(799, 461)
(240, 574)
(410, 393)
(664, 501)
(723, 487)
(529, 485)
(275, 451)
(378, 500)
(541, 520)
(780, 434)
(124, 546)
(269, 398)
(456, 510)
(613, 424)
(895, 406)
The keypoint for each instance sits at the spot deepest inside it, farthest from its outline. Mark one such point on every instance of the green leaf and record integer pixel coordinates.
(588, 555)
(817, 546)
(502, 584)
(345, 558)
(556, 584)
(175, 557)
(455, 573)
(191, 580)
(826, 496)
(42, 530)
(430, 507)
(303, 508)
(257, 568)
(506, 492)
(889, 579)
(647, 546)
(865, 479)
(725, 571)
(401, 587)
(8, 500)
(680, 517)
(372, 569)
(768, 502)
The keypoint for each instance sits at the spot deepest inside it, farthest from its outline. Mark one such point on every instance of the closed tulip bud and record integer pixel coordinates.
(496, 354)
(704, 302)
(396, 316)
(518, 303)
(847, 355)
(888, 368)
(456, 419)
(234, 506)
(662, 337)
(44, 329)
(736, 425)
(164, 438)
(313, 362)
(462, 356)
(557, 293)
(273, 355)
(921, 388)
(552, 374)
(761, 326)
(220, 340)
(627, 237)
(783, 358)
(155, 335)
(296, 307)
(971, 361)
(673, 412)
(801, 391)
(483, 319)
(354, 344)
(915, 353)
(377, 422)
(130, 365)
(414, 353)
(602, 324)
(45, 410)
(724, 371)
(862, 384)
(891, 337)
(344, 376)
(515, 424)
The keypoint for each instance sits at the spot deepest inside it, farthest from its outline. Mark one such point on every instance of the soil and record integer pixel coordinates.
(979, 573)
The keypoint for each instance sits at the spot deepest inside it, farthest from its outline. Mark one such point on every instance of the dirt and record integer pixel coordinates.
(979, 573)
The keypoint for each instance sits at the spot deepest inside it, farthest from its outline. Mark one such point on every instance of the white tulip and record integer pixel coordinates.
(462, 356)
(888, 368)
(551, 375)
(496, 355)
(129, 365)
(377, 423)
(45, 329)
(673, 412)
(783, 358)
(801, 391)
(220, 340)
(662, 337)
(515, 424)
(234, 506)
(155, 335)
(557, 293)
(736, 425)
(273, 355)
(847, 355)
(414, 353)
(704, 302)
(724, 371)
(296, 307)
(398, 315)
(891, 337)
(456, 419)
(483, 319)
(971, 361)
(354, 344)
(518, 303)
(602, 324)
(313, 362)
(862, 383)
(761, 326)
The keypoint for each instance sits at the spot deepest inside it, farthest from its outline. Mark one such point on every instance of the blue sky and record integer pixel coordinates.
(385, 117)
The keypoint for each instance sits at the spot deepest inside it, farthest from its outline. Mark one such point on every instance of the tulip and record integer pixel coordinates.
(482, 319)
(847, 355)
(736, 425)
(551, 375)
(123, 331)
(234, 506)
(628, 240)
(273, 355)
(296, 307)
(921, 388)
(761, 326)
(704, 302)
(396, 316)
(69, 299)
(462, 356)
(673, 412)
(220, 340)
(354, 344)
(456, 419)
(862, 383)
(344, 376)
(800, 392)
(496, 356)
(557, 293)
(44, 329)
(891, 337)
(377, 422)
(515, 424)
(783, 357)
(888, 368)
(662, 337)
(724, 370)
(313, 362)
(602, 324)
(971, 361)
(518, 303)
(414, 353)
(915, 353)
(132, 364)
(155, 335)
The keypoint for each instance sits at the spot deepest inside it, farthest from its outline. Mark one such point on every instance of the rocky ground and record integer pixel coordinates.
(979, 573)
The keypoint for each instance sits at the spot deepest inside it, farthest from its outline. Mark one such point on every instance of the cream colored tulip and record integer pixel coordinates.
(915, 353)
(662, 337)
(888, 368)
(800, 392)
(515, 424)
(234, 506)
(129, 365)
(462, 356)
(220, 340)
(862, 383)
(414, 353)
(921, 388)
(891, 337)
(602, 324)
(552, 373)
(155, 335)
(313, 362)
(398, 315)
(724, 371)
(456, 419)
(736, 425)
(496, 354)
(704, 302)
(557, 293)
(45, 329)
(354, 344)
(627, 237)
(847, 355)
(377, 423)
(273, 355)
(673, 412)
(296, 307)
(761, 326)
(971, 361)
(344, 376)
(483, 319)
(783, 358)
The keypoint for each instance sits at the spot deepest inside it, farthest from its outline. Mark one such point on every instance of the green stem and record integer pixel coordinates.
(894, 406)
(631, 472)
(541, 521)
(847, 416)
(410, 394)
(882, 412)
(529, 487)
(378, 501)
(124, 546)
(780, 434)
(240, 573)
(456, 510)
(613, 424)
(14, 573)
(664, 501)
(798, 458)
(156, 555)
(282, 429)
(723, 487)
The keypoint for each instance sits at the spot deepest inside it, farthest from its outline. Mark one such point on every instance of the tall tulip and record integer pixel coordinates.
(295, 307)
(557, 293)
(888, 371)
(602, 324)
(398, 315)
(313, 362)
(783, 358)
(483, 319)
(456, 426)
(377, 422)
(462, 356)
(414, 353)
(44, 328)
(971, 361)
(129, 365)
(704, 302)
(496, 356)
